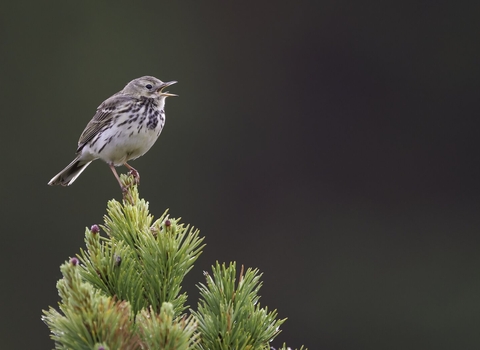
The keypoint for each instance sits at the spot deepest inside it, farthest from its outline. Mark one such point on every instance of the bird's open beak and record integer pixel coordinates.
(166, 93)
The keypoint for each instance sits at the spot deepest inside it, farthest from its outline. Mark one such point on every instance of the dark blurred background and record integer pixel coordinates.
(333, 145)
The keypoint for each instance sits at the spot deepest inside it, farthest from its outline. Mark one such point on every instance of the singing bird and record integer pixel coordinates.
(124, 127)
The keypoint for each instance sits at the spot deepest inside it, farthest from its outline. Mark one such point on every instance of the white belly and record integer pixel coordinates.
(119, 144)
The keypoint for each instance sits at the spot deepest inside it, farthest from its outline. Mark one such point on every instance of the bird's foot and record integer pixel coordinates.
(135, 175)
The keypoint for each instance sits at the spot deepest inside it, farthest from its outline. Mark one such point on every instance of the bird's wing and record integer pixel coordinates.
(103, 116)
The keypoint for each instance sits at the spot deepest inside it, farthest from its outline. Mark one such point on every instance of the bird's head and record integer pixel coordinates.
(147, 86)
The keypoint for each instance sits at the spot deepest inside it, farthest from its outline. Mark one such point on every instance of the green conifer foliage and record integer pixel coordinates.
(229, 315)
(123, 291)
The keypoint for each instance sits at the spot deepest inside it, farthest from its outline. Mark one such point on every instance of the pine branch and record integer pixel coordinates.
(90, 319)
(123, 291)
(140, 262)
(163, 331)
(229, 316)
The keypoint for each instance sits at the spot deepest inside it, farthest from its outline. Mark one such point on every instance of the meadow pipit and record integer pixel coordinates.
(124, 127)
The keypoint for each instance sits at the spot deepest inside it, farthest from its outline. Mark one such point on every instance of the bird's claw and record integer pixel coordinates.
(135, 175)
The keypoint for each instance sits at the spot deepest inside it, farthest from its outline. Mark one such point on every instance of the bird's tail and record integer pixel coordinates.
(70, 173)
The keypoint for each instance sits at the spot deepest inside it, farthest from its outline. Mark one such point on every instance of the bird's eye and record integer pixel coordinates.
(148, 86)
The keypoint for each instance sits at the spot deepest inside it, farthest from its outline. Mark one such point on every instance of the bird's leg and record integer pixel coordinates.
(126, 194)
(114, 171)
(133, 172)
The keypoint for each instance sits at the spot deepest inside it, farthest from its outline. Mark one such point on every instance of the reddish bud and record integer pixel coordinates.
(95, 229)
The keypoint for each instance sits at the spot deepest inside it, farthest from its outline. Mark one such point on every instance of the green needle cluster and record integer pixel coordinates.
(123, 291)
